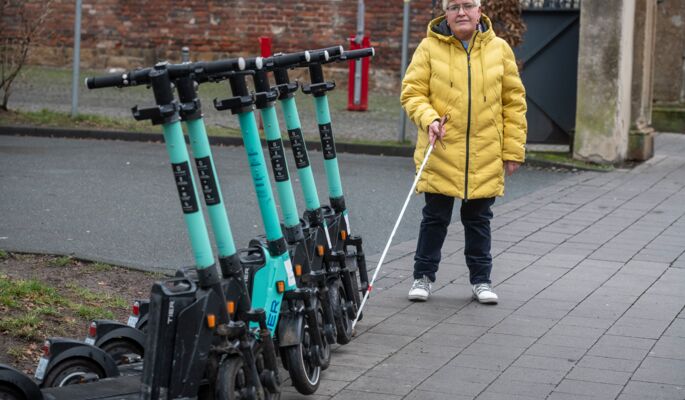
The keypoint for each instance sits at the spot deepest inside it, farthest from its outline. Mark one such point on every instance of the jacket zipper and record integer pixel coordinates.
(468, 129)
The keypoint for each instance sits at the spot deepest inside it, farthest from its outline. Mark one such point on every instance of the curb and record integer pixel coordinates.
(77, 133)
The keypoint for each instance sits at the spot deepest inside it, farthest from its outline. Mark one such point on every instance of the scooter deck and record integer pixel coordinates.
(121, 388)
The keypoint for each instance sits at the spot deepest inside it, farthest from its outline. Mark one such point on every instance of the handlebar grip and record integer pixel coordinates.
(318, 56)
(254, 63)
(333, 51)
(291, 59)
(113, 80)
(229, 64)
(359, 53)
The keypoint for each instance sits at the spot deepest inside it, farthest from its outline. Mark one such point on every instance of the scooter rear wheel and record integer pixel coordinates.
(72, 372)
(304, 373)
(118, 348)
(261, 366)
(231, 383)
(343, 324)
(9, 392)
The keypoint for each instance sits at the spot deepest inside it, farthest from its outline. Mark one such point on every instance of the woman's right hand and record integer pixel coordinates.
(436, 131)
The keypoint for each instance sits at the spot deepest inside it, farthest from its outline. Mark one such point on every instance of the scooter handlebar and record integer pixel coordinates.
(142, 76)
(113, 80)
(359, 53)
(333, 52)
(291, 59)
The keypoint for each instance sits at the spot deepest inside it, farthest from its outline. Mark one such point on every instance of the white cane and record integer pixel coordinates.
(387, 245)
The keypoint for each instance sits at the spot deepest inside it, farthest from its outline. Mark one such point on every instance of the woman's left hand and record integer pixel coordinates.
(511, 166)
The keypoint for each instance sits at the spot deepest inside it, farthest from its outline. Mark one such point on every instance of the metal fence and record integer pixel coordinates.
(550, 4)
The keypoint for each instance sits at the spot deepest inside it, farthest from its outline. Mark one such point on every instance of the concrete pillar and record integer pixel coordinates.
(641, 137)
(605, 71)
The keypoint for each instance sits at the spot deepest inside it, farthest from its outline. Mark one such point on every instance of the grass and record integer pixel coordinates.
(92, 297)
(4, 255)
(61, 261)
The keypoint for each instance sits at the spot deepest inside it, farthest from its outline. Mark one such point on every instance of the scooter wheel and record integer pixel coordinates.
(231, 383)
(72, 371)
(304, 372)
(9, 392)
(261, 367)
(326, 351)
(119, 348)
(343, 324)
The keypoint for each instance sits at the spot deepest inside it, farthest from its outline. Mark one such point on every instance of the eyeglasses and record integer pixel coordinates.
(467, 7)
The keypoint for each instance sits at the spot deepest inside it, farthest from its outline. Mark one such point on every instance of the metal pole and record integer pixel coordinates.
(358, 63)
(77, 60)
(185, 54)
(403, 68)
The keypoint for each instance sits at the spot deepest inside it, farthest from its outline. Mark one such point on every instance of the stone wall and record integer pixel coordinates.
(669, 73)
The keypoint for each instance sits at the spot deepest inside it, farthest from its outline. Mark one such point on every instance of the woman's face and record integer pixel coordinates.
(462, 17)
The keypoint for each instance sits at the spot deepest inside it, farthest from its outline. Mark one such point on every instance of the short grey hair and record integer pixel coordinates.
(445, 2)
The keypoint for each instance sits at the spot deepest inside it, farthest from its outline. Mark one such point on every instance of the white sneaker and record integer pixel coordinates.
(484, 294)
(420, 289)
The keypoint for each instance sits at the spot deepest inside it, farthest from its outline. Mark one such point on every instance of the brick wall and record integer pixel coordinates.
(121, 33)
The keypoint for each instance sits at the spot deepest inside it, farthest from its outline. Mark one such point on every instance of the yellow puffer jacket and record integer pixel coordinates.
(482, 92)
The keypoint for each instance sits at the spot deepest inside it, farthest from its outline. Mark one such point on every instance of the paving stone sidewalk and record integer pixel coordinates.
(591, 277)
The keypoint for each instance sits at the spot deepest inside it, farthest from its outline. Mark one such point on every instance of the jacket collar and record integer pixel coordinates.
(438, 28)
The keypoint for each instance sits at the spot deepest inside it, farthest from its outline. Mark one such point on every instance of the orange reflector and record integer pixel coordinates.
(298, 270)
(211, 321)
(343, 235)
(319, 248)
(280, 286)
(230, 306)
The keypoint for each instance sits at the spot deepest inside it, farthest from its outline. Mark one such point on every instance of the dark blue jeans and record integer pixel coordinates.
(437, 214)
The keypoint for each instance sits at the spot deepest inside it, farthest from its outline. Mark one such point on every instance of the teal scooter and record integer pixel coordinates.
(188, 323)
(338, 213)
(291, 311)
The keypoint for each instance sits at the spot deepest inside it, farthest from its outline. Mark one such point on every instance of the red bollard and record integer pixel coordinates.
(363, 103)
(265, 46)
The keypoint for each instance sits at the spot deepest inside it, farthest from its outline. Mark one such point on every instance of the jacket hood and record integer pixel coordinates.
(438, 28)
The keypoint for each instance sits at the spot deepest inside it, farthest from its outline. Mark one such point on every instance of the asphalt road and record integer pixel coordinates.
(116, 202)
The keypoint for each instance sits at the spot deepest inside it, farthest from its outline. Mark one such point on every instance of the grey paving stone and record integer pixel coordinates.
(661, 370)
(355, 360)
(545, 363)
(550, 309)
(535, 375)
(486, 395)
(374, 384)
(608, 363)
(428, 395)
(585, 322)
(485, 318)
(406, 373)
(506, 340)
(347, 394)
(669, 347)
(503, 352)
(452, 385)
(628, 342)
(490, 363)
(343, 373)
(428, 362)
(565, 352)
(569, 396)
(585, 388)
(508, 387)
(383, 339)
(636, 390)
(677, 328)
(599, 375)
(573, 330)
(524, 326)
(638, 327)
(584, 342)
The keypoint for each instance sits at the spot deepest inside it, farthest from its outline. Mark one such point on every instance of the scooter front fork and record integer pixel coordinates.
(318, 277)
(269, 377)
(309, 297)
(356, 241)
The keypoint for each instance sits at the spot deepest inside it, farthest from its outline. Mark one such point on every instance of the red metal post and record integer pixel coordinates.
(265, 46)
